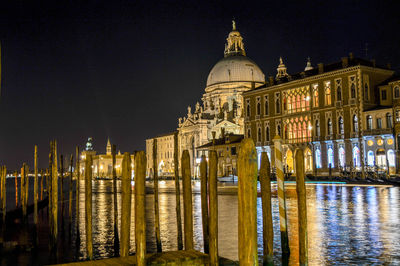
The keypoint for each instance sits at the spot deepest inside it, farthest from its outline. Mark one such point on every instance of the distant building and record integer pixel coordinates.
(340, 115)
(227, 148)
(102, 163)
(165, 155)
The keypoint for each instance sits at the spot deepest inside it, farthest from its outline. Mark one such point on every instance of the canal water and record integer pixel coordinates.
(346, 225)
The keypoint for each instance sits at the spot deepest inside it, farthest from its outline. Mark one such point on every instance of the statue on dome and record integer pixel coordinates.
(197, 107)
(189, 110)
(233, 25)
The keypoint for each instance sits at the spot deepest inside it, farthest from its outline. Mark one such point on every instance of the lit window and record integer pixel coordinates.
(328, 98)
(342, 158)
(371, 158)
(397, 115)
(389, 123)
(341, 126)
(369, 122)
(356, 156)
(315, 95)
(330, 157)
(318, 160)
(355, 123)
(329, 126)
(391, 158)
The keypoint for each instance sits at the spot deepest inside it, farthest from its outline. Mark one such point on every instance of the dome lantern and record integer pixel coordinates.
(234, 45)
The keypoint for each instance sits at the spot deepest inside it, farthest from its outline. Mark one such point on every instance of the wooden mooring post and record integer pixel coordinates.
(35, 189)
(140, 208)
(281, 197)
(213, 214)
(54, 195)
(24, 190)
(114, 176)
(77, 191)
(41, 184)
(268, 233)
(62, 191)
(187, 200)
(71, 164)
(16, 188)
(156, 207)
(177, 192)
(302, 208)
(3, 192)
(204, 202)
(88, 206)
(247, 201)
(126, 204)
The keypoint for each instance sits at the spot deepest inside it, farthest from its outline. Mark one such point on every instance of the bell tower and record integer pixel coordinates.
(108, 149)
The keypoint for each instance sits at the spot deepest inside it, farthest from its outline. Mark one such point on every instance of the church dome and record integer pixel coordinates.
(235, 68)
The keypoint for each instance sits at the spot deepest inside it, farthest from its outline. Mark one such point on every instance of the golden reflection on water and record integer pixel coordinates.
(346, 225)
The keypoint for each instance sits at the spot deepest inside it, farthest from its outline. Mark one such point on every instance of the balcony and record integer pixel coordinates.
(377, 131)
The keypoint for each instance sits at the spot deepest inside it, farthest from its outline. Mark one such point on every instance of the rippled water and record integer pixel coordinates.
(346, 224)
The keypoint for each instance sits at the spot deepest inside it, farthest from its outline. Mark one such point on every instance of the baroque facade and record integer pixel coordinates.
(165, 155)
(222, 102)
(340, 115)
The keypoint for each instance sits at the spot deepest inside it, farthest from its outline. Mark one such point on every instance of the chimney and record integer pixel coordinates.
(253, 85)
(320, 68)
(351, 56)
(345, 62)
(271, 80)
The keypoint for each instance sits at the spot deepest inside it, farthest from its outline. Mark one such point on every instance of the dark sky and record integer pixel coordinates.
(129, 69)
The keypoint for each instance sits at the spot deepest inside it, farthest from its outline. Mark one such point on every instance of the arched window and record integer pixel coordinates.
(309, 129)
(266, 105)
(286, 132)
(318, 162)
(248, 133)
(353, 90)
(328, 98)
(317, 129)
(355, 123)
(304, 131)
(389, 123)
(370, 158)
(248, 109)
(342, 158)
(366, 91)
(397, 92)
(329, 126)
(341, 126)
(369, 122)
(356, 156)
(258, 108)
(315, 95)
(267, 134)
(330, 158)
(279, 129)
(259, 134)
(278, 106)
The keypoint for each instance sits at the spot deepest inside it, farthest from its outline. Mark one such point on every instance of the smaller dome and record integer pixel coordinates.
(235, 68)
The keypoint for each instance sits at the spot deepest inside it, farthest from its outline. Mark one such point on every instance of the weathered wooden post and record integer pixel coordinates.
(204, 201)
(213, 215)
(177, 192)
(41, 184)
(281, 196)
(62, 190)
(126, 204)
(54, 194)
(247, 201)
(268, 233)
(70, 193)
(50, 194)
(301, 207)
(88, 206)
(24, 190)
(35, 189)
(140, 208)
(187, 200)
(16, 189)
(114, 175)
(3, 175)
(156, 208)
(77, 190)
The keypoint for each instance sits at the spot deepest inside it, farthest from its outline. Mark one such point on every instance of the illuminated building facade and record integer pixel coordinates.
(222, 102)
(165, 155)
(340, 115)
(102, 163)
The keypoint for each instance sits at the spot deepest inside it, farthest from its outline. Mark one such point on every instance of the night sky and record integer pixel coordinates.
(129, 69)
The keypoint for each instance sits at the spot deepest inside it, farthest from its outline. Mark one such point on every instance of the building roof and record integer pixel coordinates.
(228, 139)
(165, 134)
(378, 107)
(352, 61)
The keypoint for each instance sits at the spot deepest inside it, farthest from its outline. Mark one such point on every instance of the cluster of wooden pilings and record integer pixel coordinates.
(247, 202)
